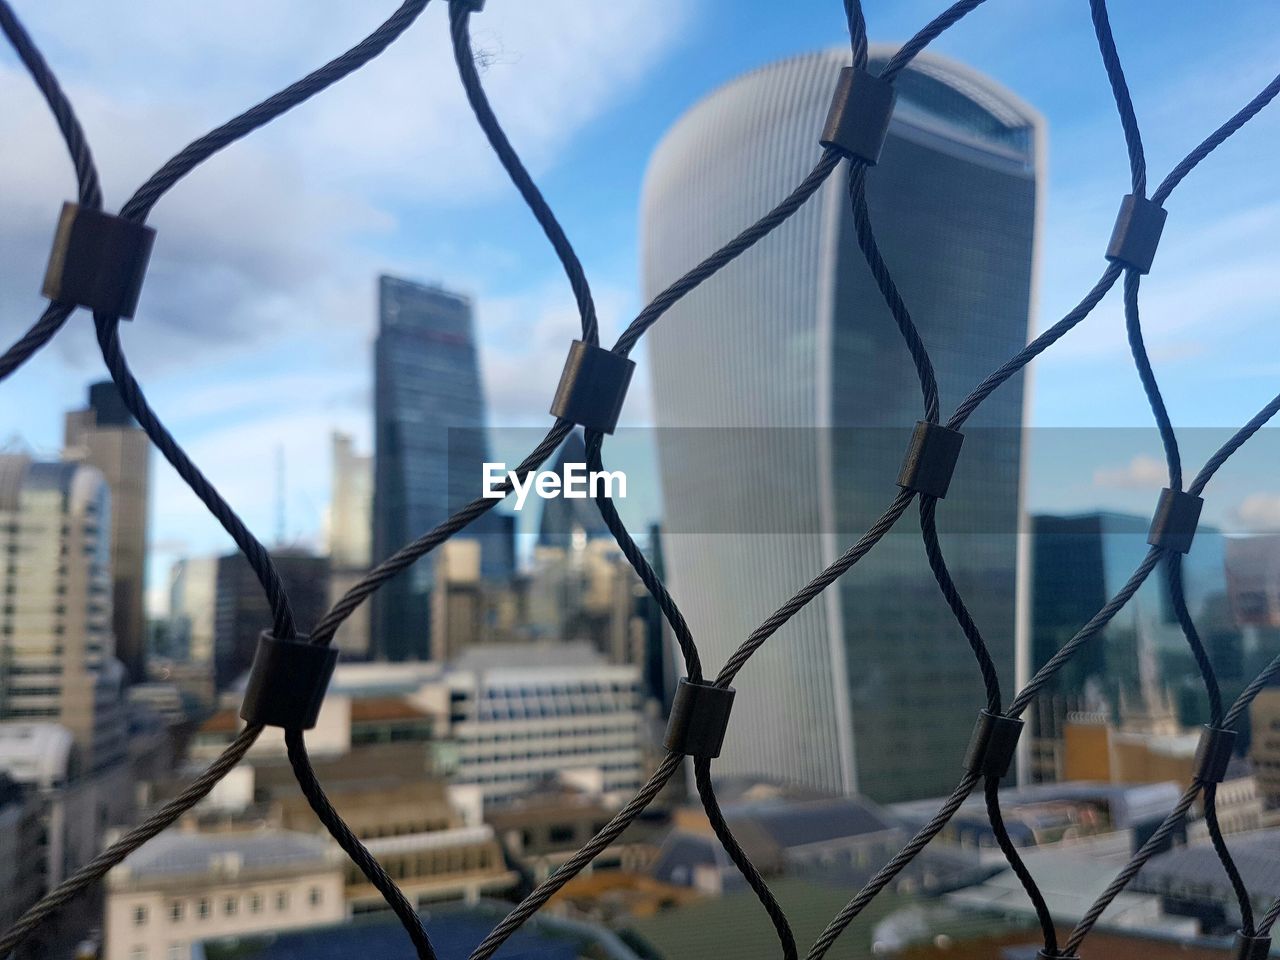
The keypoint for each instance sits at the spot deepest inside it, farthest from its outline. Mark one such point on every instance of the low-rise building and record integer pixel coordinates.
(183, 887)
(543, 829)
(1192, 885)
(1102, 818)
(455, 932)
(390, 798)
(517, 714)
(1264, 716)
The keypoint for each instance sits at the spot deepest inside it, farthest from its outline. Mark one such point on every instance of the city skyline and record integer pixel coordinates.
(588, 156)
(497, 730)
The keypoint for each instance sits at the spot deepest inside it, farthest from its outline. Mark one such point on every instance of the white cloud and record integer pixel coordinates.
(269, 235)
(1258, 513)
(526, 339)
(1141, 472)
(266, 254)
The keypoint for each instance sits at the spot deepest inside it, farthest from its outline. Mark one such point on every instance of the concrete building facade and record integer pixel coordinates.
(105, 436)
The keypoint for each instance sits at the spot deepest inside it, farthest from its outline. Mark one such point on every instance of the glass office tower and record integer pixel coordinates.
(872, 687)
(429, 448)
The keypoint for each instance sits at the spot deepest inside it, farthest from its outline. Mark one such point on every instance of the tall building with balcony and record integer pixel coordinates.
(105, 436)
(429, 447)
(57, 651)
(787, 374)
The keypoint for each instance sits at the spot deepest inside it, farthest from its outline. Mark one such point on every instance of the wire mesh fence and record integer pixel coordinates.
(98, 264)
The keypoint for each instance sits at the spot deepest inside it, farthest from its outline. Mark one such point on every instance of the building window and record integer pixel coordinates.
(138, 953)
(315, 896)
(282, 900)
(231, 905)
(176, 911)
(175, 952)
(202, 908)
(139, 916)
(255, 903)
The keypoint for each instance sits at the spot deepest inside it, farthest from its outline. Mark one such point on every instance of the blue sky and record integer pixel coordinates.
(255, 325)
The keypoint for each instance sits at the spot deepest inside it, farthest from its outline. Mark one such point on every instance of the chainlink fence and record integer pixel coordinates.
(98, 263)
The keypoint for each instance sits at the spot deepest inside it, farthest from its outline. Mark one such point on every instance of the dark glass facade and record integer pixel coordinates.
(1078, 563)
(429, 448)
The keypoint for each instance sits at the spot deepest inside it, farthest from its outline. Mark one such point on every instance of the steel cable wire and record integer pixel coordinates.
(460, 13)
(200, 150)
(966, 408)
(134, 399)
(647, 317)
(351, 845)
(1148, 849)
(142, 201)
(693, 669)
(328, 625)
(1145, 852)
(95, 869)
(991, 680)
(459, 22)
(988, 385)
(1178, 600)
(889, 291)
(891, 869)
(1168, 440)
(929, 531)
(259, 559)
(88, 187)
(603, 838)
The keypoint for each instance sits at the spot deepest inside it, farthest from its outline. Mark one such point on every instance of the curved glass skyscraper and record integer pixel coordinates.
(872, 687)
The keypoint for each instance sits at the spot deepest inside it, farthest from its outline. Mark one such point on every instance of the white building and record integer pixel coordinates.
(182, 888)
(350, 536)
(508, 715)
(193, 595)
(520, 713)
(503, 717)
(55, 616)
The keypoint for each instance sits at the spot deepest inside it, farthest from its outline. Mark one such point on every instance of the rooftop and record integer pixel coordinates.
(1070, 884)
(454, 931)
(176, 854)
(736, 926)
(1257, 855)
(383, 709)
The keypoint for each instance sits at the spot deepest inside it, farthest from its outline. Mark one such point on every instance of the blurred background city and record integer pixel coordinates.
(351, 314)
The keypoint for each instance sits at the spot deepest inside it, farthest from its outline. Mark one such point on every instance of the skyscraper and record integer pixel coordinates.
(106, 436)
(1080, 561)
(429, 447)
(350, 536)
(872, 687)
(242, 612)
(57, 654)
